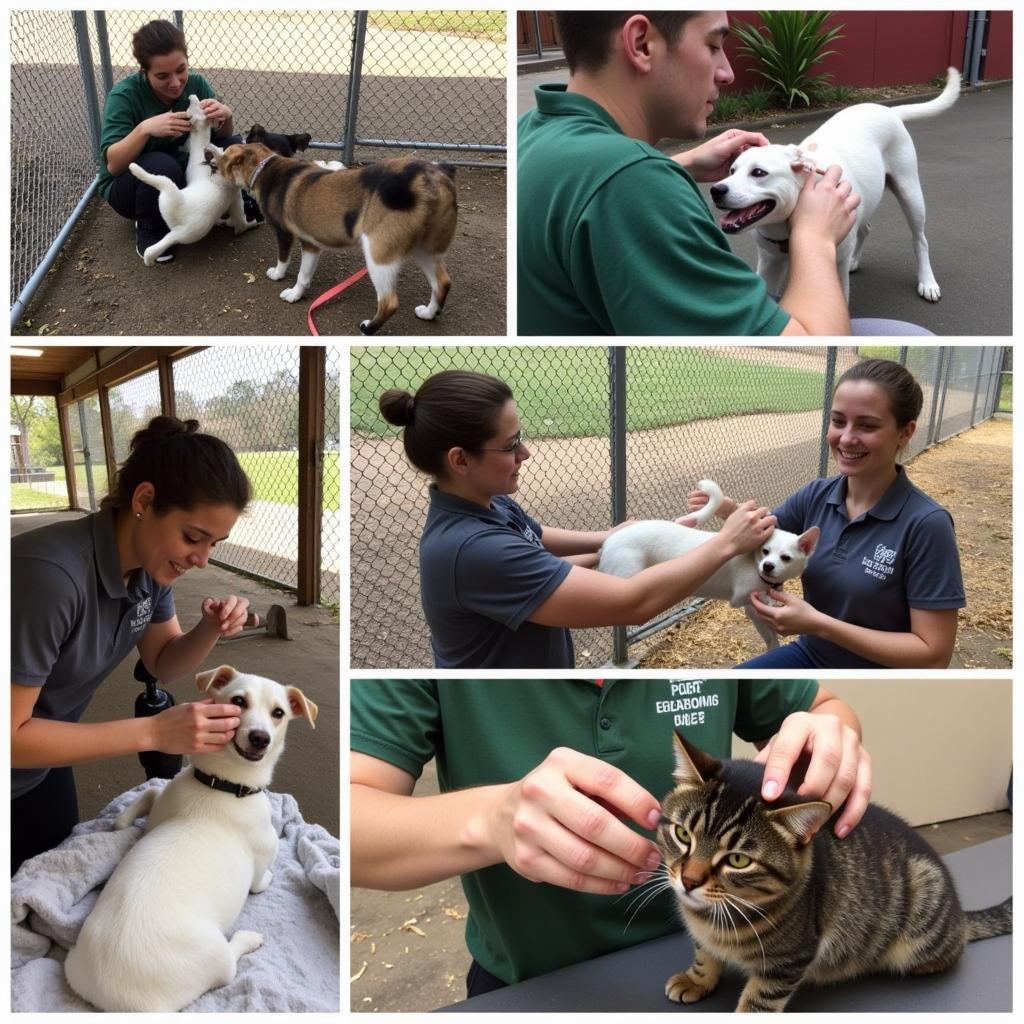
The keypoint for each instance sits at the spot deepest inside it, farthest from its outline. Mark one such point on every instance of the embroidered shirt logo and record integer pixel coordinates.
(141, 615)
(882, 566)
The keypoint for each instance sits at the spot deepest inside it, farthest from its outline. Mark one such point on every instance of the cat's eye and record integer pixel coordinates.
(683, 835)
(738, 860)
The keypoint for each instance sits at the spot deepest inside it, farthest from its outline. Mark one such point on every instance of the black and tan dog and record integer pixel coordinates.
(394, 208)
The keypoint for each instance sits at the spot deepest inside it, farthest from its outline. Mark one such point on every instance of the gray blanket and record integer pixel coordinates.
(296, 969)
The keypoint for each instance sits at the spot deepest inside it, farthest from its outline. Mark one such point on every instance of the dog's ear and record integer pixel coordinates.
(300, 142)
(257, 133)
(800, 161)
(808, 541)
(216, 678)
(302, 706)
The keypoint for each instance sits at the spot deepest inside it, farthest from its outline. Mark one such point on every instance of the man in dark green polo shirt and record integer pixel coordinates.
(528, 769)
(614, 236)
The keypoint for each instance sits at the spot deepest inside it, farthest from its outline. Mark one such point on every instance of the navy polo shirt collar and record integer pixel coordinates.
(108, 560)
(445, 502)
(888, 506)
(555, 100)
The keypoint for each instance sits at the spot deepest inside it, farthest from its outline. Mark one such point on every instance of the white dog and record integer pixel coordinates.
(156, 938)
(875, 151)
(782, 557)
(191, 212)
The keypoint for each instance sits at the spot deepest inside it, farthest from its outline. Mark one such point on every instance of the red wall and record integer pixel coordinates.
(893, 47)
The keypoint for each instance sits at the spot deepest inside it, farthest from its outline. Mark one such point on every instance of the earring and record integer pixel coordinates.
(138, 515)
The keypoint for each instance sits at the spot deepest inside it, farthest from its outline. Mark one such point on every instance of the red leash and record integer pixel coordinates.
(329, 294)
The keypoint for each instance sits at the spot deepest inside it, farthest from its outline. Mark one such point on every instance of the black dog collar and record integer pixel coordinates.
(223, 785)
(781, 243)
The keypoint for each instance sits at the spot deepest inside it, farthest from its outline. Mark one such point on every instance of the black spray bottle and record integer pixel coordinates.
(155, 763)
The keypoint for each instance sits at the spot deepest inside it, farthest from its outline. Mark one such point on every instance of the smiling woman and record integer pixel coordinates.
(91, 589)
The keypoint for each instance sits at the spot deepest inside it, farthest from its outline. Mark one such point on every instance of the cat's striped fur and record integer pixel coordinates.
(769, 889)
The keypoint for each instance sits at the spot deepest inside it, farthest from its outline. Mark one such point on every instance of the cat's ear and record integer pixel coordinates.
(693, 766)
(802, 821)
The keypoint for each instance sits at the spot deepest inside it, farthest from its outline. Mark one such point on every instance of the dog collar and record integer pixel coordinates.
(214, 782)
(782, 243)
(259, 167)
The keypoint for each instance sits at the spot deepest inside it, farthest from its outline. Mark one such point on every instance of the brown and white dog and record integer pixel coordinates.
(395, 208)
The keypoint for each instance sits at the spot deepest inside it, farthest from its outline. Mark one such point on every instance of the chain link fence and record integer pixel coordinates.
(628, 429)
(363, 84)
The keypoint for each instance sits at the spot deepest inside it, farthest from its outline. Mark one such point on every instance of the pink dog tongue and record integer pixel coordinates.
(739, 218)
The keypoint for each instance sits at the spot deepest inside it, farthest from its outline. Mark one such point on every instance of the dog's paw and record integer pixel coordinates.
(241, 228)
(264, 883)
(245, 942)
(424, 313)
(929, 290)
(275, 273)
(367, 327)
(149, 260)
(292, 294)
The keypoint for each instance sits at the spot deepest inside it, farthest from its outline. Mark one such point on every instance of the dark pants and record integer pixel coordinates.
(44, 817)
(479, 981)
(138, 201)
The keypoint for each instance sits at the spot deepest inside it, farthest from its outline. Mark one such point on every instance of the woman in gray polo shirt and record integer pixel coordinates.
(498, 589)
(884, 585)
(88, 592)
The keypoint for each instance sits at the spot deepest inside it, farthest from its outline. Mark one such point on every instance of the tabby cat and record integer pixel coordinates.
(769, 889)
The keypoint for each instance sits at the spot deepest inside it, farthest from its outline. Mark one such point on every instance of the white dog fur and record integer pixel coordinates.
(782, 557)
(874, 149)
(191, 212)
(156, 938)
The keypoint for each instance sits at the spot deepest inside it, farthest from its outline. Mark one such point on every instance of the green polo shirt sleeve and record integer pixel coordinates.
(395, 720)
(762, 704)
(646, 257)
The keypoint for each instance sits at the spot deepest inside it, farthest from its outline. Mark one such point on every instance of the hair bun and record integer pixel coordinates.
(397, 406)
(162, 428)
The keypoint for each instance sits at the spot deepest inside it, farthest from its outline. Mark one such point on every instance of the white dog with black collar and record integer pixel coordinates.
(157, 936)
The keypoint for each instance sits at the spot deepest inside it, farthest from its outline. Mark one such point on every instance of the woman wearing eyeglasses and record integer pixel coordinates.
(498, 589)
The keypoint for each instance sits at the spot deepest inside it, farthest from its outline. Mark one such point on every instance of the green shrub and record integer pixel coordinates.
(786, 56)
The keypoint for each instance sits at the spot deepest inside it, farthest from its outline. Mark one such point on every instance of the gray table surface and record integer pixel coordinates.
(633, 980)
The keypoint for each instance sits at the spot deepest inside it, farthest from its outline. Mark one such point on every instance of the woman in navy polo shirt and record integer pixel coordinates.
(88, 592)
(884, 585)
(498, 589)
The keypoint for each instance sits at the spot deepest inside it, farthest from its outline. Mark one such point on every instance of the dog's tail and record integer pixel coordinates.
(714, 493)
(942, 102)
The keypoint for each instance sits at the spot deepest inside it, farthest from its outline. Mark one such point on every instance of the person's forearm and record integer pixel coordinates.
(572, 542)
(227, 128)
(893, 650)
(587, 561)
(185, 653)
(120, 154)
(403, 842)
(41, 743)
(813, 296)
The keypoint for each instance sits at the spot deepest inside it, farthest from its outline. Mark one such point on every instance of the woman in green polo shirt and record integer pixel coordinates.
(145, 122)
(93, 589)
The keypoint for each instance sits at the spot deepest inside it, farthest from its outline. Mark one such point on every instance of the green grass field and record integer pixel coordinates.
(1005, 394)
(463, 23)
(24, 497)
(563, 392)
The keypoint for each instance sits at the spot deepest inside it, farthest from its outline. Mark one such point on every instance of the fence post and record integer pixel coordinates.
(536, 33)
(312, 375)
(945, 388)
(617, 437)
(936, 388)
(103, 43)
(355, 75)
(179, 19)
(92, 109)
(977, 381)
(826, 408)
(86, 456)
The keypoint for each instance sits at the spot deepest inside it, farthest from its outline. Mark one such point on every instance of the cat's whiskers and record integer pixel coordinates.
(764, 955)
(752, 906)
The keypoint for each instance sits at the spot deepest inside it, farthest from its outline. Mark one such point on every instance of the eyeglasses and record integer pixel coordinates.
(517, 443)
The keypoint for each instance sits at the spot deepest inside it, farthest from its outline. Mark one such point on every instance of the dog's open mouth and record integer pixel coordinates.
(735, 221)
(249, 755)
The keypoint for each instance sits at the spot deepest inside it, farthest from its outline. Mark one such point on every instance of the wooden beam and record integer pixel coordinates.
(108, 436)
(43, 388)
(68, 454)
(312, 377)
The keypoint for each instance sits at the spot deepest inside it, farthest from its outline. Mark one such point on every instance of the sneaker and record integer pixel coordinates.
(145, 237)
(251, 208)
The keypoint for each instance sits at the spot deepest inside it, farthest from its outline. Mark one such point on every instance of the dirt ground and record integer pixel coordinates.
(219, 286)
(971, 476)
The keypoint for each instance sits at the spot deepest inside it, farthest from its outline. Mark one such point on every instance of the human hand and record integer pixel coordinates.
(561, 824)
(229, 615)
(826, 207)
(792, 615)
(165, 126)
(826, 755)
(712, 160)
(747, 528)
(199, 727)
(215, 110)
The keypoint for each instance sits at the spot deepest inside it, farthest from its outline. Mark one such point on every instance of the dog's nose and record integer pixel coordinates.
(259, 740)
(718, 191)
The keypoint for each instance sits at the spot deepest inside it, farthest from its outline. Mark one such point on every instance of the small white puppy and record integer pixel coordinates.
(874, 149)
(782, 557)
(156, 938)
(191, 212)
